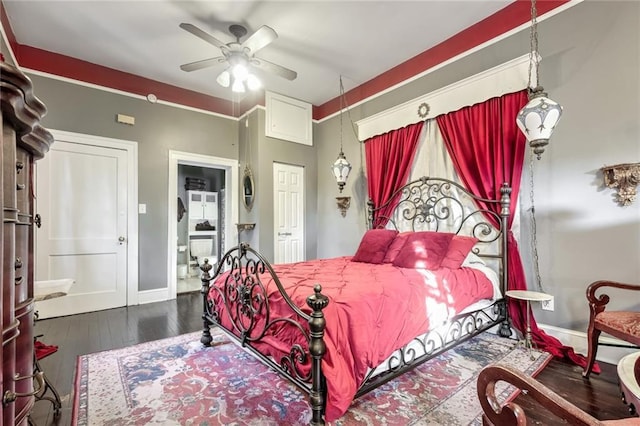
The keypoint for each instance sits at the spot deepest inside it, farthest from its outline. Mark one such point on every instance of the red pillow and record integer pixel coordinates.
(458, 250)
(423, 250)
(395, 247)
(374, 245)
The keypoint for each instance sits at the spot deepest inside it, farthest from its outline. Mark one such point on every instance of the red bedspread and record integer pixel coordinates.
(374, 309)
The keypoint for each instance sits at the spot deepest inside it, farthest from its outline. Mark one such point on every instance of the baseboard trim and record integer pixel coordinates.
(578, 341)
(152, 296)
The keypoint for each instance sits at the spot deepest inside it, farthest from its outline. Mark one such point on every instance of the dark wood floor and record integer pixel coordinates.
(116, 328)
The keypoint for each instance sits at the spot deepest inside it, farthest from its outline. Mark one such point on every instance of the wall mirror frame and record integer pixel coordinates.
(248, 188)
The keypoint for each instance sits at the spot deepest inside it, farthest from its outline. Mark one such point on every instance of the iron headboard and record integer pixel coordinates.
(442, 205)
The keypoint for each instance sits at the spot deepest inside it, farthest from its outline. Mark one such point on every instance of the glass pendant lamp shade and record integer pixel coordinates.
(240, 72)
(253, 83)
(238, 86)
(538, 119)
(341, 168)
(224, 79)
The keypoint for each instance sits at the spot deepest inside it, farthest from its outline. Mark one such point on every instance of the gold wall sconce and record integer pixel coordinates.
(343, 204)
(625, 178)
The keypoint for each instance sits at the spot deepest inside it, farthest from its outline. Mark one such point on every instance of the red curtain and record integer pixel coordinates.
(488, 149)
(389, 158)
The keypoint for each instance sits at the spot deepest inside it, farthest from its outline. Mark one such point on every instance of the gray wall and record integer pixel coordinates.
(340, 236)
(249, 140)
(591, 53)
(158, 129)
(161, 128)
(272, 150)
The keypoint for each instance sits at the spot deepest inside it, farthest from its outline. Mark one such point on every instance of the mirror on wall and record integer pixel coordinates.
(248, 188)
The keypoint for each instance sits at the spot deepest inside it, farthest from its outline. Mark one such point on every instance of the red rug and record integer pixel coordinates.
(177, 381)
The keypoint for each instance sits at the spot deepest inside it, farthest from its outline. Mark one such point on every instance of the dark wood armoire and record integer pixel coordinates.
(24, 141)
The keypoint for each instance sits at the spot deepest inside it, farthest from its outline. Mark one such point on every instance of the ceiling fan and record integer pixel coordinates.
(239, 57)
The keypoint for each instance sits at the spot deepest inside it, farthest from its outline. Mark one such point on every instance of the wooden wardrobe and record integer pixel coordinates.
(24, 141)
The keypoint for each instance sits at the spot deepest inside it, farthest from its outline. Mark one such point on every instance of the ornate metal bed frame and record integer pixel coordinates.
(426, 203)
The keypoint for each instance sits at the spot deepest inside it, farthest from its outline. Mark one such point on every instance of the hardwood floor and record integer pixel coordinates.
(116, 328)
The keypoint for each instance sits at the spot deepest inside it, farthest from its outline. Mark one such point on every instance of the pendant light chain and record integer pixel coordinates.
(533, 42)
(534, 239)
(341, 112)
(247, 142)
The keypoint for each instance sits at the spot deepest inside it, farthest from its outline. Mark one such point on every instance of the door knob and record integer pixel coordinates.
(121, 240)
(284, 234)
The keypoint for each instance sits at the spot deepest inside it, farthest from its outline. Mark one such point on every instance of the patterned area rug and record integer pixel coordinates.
(177, 381)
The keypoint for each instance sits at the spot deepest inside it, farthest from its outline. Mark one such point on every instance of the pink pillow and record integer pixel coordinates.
(423, 250)
(374, 245)
(458, 250)
(395, 247)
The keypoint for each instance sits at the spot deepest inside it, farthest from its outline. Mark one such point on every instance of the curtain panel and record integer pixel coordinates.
(488, 149)
(389, 157)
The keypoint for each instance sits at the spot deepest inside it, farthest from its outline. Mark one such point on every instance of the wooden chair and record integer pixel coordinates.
(510, 413)
(624, 325)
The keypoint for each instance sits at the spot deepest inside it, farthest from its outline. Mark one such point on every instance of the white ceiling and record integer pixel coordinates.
(321, 40)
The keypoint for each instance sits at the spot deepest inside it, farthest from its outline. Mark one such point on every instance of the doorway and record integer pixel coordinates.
(201, 196)
(288, 215)
(99, 256)
(206, 188)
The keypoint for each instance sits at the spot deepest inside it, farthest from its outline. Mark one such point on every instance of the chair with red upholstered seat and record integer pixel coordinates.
(624, 325)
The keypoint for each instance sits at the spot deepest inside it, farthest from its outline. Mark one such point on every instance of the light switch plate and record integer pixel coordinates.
(142, 208)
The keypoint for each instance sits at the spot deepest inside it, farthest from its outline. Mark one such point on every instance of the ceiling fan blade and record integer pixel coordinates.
(203, 35)
(256, 41)
(198, 65)
(274, 68)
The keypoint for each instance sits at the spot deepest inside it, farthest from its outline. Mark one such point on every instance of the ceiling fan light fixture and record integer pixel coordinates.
(224, 79)
(253, 83)
(238, 86)
(239, 57)
(240, 72)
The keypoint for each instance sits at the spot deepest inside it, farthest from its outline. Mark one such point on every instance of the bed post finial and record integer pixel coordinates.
(505, 199)
(317, 348)
(205, 268)
(370, 208)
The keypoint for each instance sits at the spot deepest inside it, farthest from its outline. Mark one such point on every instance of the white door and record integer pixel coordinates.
(81, 195)
(288, 201)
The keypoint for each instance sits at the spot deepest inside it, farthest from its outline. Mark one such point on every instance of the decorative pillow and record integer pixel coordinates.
(459, 248)
(374, 245)
(395, 247)
(423, 250)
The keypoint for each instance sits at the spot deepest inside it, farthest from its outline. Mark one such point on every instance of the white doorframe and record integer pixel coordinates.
(131, 149)
(231, 205)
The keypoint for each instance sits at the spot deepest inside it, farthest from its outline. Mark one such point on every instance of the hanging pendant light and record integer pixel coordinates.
(538, 118)
(341, 167)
